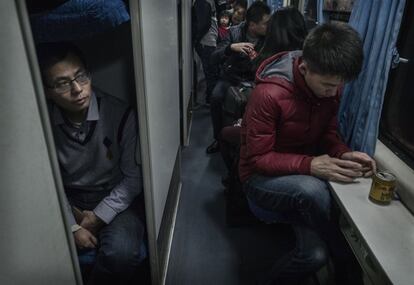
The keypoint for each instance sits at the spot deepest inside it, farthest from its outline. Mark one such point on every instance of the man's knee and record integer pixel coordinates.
(119, 258)
(312, 193)
(122, 247)
(219, 91)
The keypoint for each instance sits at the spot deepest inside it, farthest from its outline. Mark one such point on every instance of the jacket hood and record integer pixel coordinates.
(283, 69)
(278, 69)
(279, 65)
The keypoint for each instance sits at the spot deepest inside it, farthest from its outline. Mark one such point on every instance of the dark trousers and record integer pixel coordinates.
(210, 70)
(121, 250)
(229, 145)
(216, 106)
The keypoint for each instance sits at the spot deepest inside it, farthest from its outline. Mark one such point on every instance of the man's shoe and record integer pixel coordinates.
(213, 148)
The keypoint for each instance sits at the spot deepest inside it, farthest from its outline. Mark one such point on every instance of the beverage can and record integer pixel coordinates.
(252, 54)
(382, 187)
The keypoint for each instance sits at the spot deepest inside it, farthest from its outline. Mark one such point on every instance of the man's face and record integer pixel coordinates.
(76, 97)
(259, 29)
(238, 15)
(323, 86)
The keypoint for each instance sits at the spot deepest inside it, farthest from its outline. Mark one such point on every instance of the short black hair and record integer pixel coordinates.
(240, 3)
(49, 54)
(256, 12)
(334, 49)
(224, 13)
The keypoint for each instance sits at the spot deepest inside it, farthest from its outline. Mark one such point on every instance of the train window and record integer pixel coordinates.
(338, 5)
(338, 10)
(396, 130)
(310, 14)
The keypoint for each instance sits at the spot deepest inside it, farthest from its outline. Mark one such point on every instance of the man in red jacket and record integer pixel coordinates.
(290, 147)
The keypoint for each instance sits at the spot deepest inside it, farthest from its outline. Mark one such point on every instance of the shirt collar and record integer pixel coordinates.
(92, 115)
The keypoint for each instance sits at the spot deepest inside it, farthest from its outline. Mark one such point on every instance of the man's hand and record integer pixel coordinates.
(369, 166)
(84, 239)
(91, 222)
(77, 213)
(242, 47)
(335, 169)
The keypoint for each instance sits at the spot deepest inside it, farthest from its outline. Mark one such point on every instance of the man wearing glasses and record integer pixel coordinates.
(96, 137)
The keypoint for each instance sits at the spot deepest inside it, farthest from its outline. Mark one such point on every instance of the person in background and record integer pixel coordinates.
(222, 5)
(238, 10)
(96, 140)
(286, 31)
(224, 25)
(205, 33)
(290, 148)
(241, 41)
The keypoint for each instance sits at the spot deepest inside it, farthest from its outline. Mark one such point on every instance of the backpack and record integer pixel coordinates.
(235, 102)
(237, 68)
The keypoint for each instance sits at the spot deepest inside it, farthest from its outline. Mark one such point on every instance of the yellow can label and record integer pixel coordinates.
(382, 191)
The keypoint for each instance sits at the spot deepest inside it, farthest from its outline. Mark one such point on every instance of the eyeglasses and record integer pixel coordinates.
(65, 86)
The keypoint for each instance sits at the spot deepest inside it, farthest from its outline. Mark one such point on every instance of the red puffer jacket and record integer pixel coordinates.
(285, 125)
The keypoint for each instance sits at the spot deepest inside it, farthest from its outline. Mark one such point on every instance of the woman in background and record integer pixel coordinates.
(286, 31)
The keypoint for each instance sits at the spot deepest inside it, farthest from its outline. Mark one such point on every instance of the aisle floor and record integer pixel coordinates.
(204, 249)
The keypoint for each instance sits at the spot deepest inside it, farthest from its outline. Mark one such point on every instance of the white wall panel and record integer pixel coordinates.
(160, 58)
(109, 56)
(33, 244)
(187, 62)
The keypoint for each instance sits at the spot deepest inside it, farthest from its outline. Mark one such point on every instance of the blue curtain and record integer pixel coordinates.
(378, 22)
(321, 17)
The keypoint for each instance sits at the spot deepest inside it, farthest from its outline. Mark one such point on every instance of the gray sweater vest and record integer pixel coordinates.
(95, 163)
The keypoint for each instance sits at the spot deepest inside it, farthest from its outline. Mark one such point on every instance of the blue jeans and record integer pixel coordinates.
(120, 251)
(305, 203)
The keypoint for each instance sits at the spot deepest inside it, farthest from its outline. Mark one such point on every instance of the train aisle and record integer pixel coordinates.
(204, 249)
